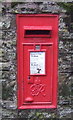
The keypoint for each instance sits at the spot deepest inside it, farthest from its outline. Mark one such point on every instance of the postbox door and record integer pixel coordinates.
(37, 73)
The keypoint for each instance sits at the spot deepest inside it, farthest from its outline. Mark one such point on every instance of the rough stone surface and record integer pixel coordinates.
(65, 45)
(64, 63)
(8, 60)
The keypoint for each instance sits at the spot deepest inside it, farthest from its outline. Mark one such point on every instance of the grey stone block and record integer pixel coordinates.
(65, 82)
(64, 63)
(9, 22)
(7, 114)
(65, 46)
(8, 34)
(72, 63)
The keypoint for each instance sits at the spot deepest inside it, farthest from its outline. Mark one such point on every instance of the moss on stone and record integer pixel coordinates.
(65, 90)
(68, 6)
(6, 92)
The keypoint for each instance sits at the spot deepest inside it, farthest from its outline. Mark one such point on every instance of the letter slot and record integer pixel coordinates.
(37, 31)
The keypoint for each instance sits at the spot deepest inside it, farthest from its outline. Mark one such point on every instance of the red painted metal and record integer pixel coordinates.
(37, 45)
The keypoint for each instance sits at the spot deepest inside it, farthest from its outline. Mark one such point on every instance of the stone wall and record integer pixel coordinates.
(8, 59)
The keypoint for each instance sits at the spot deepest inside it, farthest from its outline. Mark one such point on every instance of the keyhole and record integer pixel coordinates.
(28, 77)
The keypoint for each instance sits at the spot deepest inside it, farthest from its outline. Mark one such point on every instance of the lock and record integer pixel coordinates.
(37, 56)
(30, 80)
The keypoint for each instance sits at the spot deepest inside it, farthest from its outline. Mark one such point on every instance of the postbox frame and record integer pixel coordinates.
(20, 81)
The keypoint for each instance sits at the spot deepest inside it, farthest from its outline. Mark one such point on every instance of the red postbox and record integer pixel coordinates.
(37, 49)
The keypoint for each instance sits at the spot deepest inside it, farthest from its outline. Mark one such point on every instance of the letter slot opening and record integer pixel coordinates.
(37, 33)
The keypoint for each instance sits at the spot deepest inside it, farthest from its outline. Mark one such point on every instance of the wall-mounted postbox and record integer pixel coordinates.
(37, 50)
